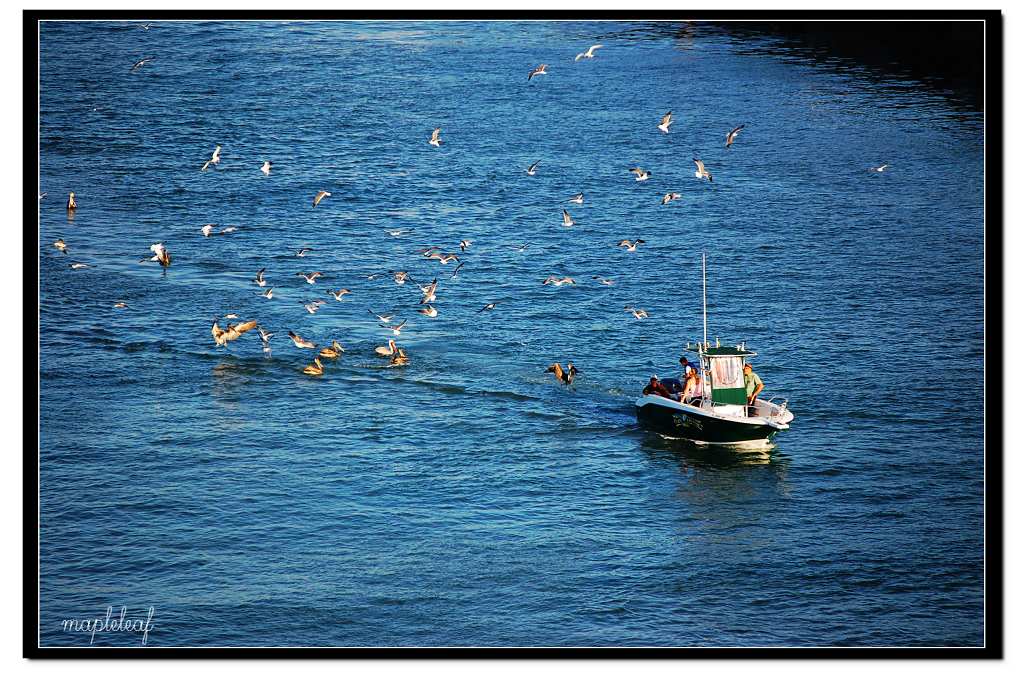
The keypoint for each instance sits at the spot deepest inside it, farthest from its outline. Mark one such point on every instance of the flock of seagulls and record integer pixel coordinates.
(396, 355)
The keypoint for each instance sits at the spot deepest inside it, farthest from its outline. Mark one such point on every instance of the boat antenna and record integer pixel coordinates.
(704, 276)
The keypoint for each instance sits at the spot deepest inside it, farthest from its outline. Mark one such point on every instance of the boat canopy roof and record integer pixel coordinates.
(721, 351)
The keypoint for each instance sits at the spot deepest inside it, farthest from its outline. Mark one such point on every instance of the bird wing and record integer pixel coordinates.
(666, 119)
(590, 52)
(700, 165)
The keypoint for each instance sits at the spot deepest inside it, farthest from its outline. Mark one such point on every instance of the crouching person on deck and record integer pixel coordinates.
(655, 387)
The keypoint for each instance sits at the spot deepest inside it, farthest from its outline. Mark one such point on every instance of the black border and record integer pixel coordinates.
(994, 479)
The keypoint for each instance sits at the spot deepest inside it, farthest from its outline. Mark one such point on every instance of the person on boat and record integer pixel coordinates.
(655, 387)
(687, 367)
(691, 386)
(754, 386)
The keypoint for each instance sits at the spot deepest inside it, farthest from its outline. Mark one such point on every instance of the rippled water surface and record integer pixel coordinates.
(467, 499)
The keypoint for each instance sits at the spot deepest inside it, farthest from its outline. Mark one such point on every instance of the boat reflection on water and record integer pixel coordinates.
(690, 454)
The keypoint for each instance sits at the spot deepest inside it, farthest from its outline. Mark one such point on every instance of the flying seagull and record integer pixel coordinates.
(641, 174)
(320, 196)
(880, 168)
(266, 167)
(299, 341)
(435, 138)
(566, 219)
(578, 199)
(589, 54)
(701, 171)
(666, 120)
(669, 197)
(631, 245)
(565, 376)
(532, 169)
(731, 136)
(540, 70)
(140, 63)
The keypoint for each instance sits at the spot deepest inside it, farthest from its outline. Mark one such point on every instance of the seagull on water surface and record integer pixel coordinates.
(558, 282)
(78, 266)
(435, 138)
(578, 199)
(266, 167)
(603, 281)
(880, 168)
(59, 244)
(631, 245)
(488, 307)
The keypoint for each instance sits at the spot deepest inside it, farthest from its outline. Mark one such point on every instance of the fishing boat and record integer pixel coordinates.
(717, 413)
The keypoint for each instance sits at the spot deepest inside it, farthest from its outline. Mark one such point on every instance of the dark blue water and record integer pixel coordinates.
(468, 499)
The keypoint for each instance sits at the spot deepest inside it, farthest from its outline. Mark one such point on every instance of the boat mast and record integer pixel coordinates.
(704, 276)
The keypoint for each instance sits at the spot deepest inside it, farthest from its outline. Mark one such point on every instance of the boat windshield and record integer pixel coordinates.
(727, 372)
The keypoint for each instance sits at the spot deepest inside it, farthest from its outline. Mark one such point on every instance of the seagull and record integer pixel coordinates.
(231, 316)
(666, 120)
(532, 169)
(266, 167)
(428, 292)
(488, 307)
(578, 199)
(589, 54)
(401, 277)
(429, 250)
(140, 63)
(731, 136)
(207, 229)
(160, 254)
(310, 278)
(340, 293)
(59, 244)
(229, 229)
(316, 369)
(880, 168)
(333, 351)
(638, 313)
(701, 171)
(269, 294)
(300, 342)
(558, 282)
(669, 197)
(443, 258)
(77, 266)
(464, 244)
(264, 335)
(540, 70)
(386, 351)
(382, 318)
(320, 196)
(121, 304)
(42, 195)
(72, 205)
(458, 268)
(214, 159)
(631, 246)
(146, 27)
(231, 332)
(398, 233)
(259, 278)
(521, 248)
(313, 306)
(302, 251)
(397, 329)
(566, 219)
(603, 281)
(428, 311)
(565, 376)
(435, 138)
(641, 174)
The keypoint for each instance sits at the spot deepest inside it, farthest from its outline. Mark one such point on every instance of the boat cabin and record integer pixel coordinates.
(721, 376)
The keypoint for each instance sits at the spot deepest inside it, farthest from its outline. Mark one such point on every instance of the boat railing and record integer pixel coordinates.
(776, 410)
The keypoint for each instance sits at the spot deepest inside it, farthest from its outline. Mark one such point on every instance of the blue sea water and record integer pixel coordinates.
(467, 499)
